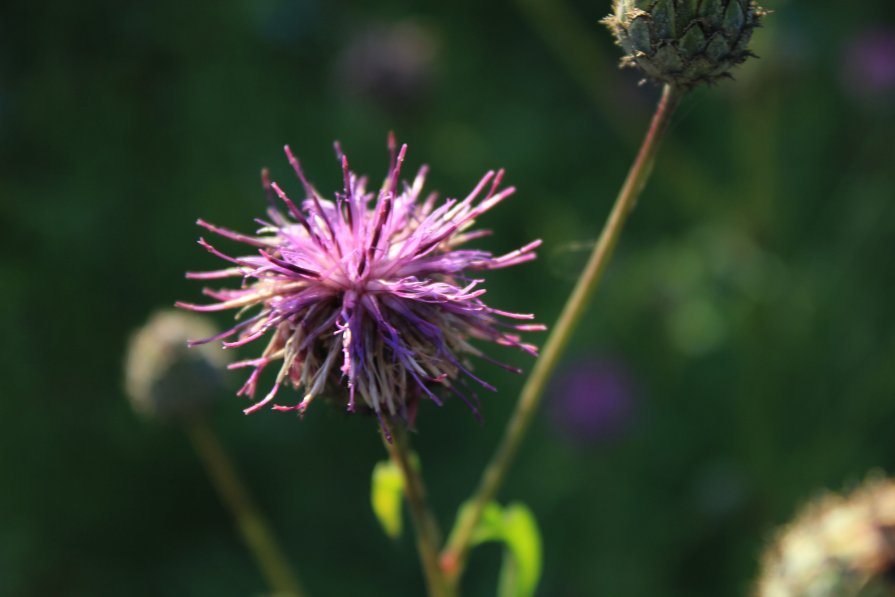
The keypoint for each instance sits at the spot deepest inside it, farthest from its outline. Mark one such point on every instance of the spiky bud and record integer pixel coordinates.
(837, 547)
(684, 42)
(167, 380)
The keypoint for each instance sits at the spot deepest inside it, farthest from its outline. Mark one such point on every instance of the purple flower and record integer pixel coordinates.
(370, 292)
(591, 400)
(869, 68)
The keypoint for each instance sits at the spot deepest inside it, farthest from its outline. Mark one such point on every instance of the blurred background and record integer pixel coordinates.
(738, 358)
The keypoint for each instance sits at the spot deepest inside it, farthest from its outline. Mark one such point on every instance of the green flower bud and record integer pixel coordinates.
(837, 547)
(684, 42)
(167, 380)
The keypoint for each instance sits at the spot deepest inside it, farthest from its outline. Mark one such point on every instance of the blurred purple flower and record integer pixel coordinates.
(591, 400)
(391, 65)
(377, 296)
(869, 64)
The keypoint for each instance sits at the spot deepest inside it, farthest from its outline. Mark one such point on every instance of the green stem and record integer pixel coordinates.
(428, 535)
(254, 529)
(455, 554)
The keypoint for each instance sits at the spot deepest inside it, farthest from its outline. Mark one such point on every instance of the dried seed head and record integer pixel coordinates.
(167, 380)
(684, 42)
(837, 547)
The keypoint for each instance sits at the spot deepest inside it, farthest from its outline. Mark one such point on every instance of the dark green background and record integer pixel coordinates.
(751, 297)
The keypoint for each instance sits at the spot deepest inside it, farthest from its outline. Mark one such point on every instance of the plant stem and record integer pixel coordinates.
(251, 525)
(453, 559)
(428, 535)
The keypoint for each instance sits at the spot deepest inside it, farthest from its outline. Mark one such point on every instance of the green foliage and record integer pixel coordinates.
(514, 526)
(387, 496)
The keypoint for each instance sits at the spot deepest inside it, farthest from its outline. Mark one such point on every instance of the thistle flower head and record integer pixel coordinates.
(684, 42)
(367, 297)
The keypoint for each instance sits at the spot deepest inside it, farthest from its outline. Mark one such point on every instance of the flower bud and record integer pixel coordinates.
(684, 42)
(166, 379)
(837, 547)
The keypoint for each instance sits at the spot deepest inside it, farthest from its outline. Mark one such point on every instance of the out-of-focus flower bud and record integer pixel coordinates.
(868, 69)
(837, 547)
(392, 65)
(684, 42)
(592, 401)
(167, 380)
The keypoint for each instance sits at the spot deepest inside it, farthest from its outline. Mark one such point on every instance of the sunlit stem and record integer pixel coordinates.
(453, 559)
(255, 532)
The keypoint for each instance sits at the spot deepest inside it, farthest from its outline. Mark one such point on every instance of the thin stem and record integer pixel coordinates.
(251, 525)
(454, 557)
(428, 535)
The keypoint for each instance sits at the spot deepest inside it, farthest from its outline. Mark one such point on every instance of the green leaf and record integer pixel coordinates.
(521, 569)
(386, 497)
(516, 528)
(491, 526)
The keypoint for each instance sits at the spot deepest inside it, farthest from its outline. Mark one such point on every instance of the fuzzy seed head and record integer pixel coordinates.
(837, 547)
(684, 42)
(166, 380)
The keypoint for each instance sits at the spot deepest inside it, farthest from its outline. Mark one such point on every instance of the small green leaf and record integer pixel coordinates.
(386, 496)
(491, 526)
(516, 528)
(522, 560)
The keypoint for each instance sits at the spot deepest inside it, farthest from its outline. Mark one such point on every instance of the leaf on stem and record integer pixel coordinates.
(514, 526)
(386, 496)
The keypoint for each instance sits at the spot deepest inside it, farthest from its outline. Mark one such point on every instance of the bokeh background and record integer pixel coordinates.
(738, 359)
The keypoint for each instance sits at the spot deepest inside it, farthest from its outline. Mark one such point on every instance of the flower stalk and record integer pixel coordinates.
(428, 535)
(454, 556)
(255, 531)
